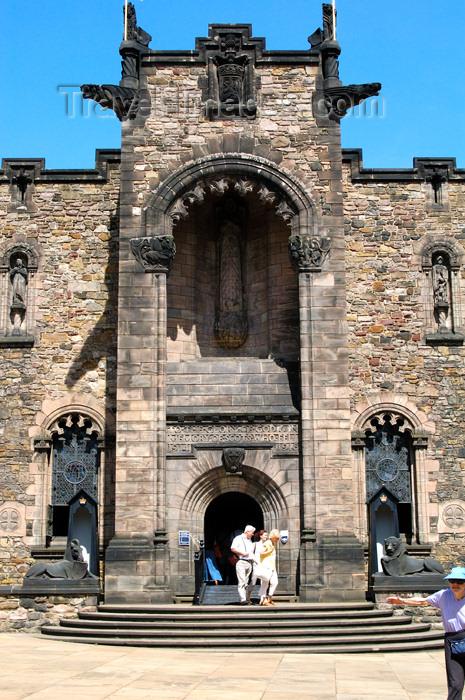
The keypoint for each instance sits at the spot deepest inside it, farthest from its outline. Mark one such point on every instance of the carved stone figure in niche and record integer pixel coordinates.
(18, 278)
(396, 561)
(441, 292)
(72, 566)
(230, 326)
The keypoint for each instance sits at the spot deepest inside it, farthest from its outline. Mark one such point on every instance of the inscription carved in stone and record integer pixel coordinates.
(281, 436)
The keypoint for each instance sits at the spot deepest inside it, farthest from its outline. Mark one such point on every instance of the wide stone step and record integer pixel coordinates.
(257, 624)
(312, 628)
(297, 609)
(309, 644)
(253, 614)
(128, 630)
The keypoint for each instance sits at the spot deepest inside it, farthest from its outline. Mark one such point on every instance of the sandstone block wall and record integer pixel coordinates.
(71, 221)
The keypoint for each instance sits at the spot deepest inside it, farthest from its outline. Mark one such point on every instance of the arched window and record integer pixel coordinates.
(75, 467)
(388, 465)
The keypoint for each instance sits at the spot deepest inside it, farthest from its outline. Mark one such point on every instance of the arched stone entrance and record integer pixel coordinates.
(226, 516)
(228, 513)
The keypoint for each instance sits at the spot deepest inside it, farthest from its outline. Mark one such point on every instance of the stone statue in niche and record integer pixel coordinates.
(72, 566)
(230, 327)
(396, 561)
(441, 293)
(18, 279)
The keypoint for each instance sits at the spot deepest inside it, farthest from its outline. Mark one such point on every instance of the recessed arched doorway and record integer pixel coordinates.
(226, 516)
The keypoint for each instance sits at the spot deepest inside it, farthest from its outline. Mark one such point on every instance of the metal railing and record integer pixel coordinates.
(199, 569)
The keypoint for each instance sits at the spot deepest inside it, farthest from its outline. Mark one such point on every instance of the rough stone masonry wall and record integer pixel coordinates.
(386, 227)
(74, 230)
(30, 614)
(177, 130)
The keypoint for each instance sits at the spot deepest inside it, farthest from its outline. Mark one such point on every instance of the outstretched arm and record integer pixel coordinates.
(397, 600)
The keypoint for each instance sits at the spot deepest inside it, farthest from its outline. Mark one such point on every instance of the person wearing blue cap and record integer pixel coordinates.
(451, 603)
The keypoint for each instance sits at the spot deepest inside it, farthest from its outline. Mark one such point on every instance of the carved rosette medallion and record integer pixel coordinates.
(233, 459)
(155, 254)
(308, 253)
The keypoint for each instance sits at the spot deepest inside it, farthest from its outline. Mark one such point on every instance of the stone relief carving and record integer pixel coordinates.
(179, 209)
(282, 437)
(452, 517)
(283, 210)
(233, 459)
(18, 279)
(155, 254)
(243, 186)
(219, 186)
(308, 253)
(230, 79)
(266, 195)
(230, 326)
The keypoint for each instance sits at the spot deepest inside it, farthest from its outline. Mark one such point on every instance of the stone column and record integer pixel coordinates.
(137, 557)
(331, 557)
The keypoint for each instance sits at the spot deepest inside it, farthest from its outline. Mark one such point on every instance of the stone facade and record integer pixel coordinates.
(234, 316)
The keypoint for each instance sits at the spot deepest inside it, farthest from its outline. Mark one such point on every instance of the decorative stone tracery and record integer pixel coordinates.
(219, 186)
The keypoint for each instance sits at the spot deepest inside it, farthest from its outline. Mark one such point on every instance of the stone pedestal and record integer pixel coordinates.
(333, 570)
(136, 572)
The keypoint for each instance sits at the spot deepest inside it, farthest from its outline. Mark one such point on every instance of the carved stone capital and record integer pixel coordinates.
(155, 254)
(308, 253)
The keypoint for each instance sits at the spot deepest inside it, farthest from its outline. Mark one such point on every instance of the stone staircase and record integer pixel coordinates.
(311, 628)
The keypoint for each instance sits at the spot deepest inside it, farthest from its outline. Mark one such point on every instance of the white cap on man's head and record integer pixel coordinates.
(249, 528)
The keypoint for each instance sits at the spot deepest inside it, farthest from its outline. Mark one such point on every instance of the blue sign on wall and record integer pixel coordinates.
(184, 538)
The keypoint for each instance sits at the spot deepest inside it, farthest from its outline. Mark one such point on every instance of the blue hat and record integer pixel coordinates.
(457, 572)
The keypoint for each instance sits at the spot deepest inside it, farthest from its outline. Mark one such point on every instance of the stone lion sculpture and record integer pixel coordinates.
(72, 566)
(396, 561)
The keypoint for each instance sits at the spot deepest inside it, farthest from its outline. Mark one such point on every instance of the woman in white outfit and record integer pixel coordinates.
(261, 536)
(268, 567)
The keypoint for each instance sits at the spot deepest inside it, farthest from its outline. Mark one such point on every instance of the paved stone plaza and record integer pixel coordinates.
(31, 667)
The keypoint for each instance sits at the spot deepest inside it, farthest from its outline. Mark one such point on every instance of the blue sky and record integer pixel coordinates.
(415, 48)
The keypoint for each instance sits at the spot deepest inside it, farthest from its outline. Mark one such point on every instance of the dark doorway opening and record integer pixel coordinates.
(225, 517)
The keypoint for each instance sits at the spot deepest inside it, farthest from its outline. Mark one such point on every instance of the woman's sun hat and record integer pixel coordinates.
(458, 572)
